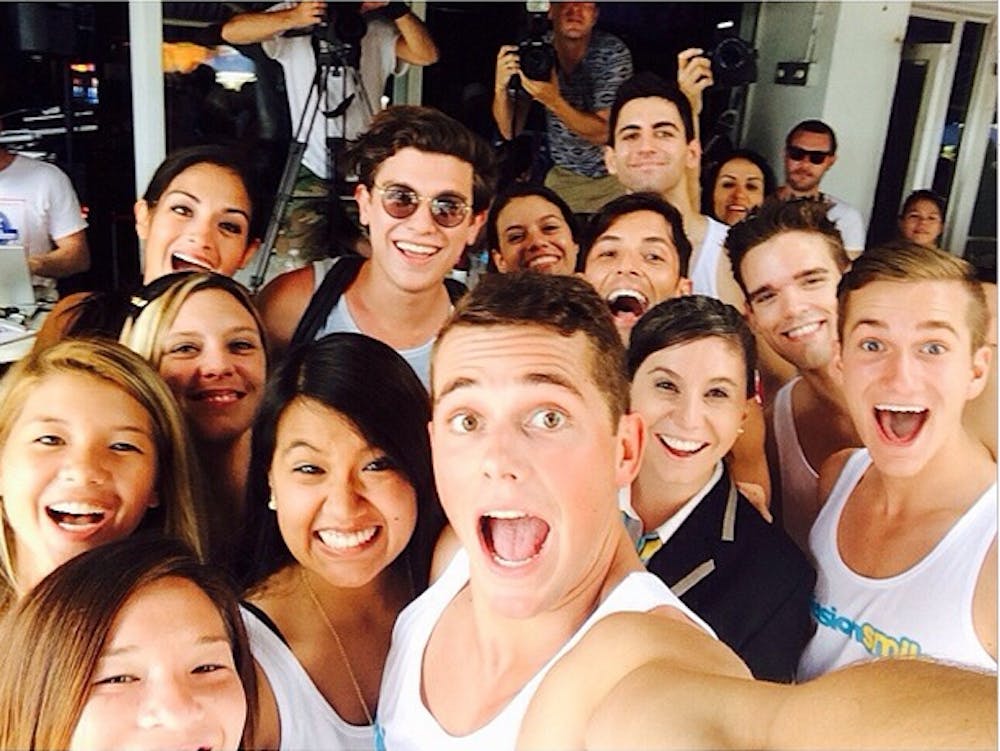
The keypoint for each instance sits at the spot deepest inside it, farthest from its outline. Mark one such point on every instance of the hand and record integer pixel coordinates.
(508, 64)
(307, 13)
(35, 265)
(369, 7)
(546, 92)
(694, 75)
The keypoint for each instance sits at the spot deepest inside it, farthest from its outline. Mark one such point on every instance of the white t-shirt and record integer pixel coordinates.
(38, 201)
(849, 222)
(298, 60)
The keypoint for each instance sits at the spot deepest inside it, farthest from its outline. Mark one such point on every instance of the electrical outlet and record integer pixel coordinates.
(792, 73)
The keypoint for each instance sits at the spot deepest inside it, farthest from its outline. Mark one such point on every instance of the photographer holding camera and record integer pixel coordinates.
(576, 90)
(387, 36)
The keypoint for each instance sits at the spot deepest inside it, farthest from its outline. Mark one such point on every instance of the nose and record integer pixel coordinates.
(792, 301)
(900, 370)
(83, 465)
(343, 495)
(687, 410)
(216, 360)
(739, 192)
(501, 459)
(422, 219)
(169, 703)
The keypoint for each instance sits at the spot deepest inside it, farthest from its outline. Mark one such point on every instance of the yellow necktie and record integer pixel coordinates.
(647, 546)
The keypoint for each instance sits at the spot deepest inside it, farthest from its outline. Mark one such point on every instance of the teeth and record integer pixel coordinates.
(505, 514)
(803, 330)
(900, 408)
(343, 540)
(75, 508)
(513, 564)
(546, 260)
(618, 293)
(218, 397)
(420, 250)
(680, 444)
(192, 261)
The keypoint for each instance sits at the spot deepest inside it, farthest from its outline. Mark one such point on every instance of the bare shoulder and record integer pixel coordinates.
(282, 302)
(444, 552)
(560, 713)
(829, 473)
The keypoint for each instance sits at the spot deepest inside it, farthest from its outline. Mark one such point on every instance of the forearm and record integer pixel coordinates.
(507, 114)
(892, 703)
(417, 46)
(590, 126)
(249, 28)
(71, 256)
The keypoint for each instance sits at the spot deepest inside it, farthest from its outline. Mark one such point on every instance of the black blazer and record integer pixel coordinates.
(745, 577)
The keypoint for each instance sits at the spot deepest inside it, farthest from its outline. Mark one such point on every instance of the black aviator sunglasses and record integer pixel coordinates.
(797, 154)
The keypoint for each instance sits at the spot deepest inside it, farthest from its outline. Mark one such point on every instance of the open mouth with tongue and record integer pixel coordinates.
(627, 304)
(900, 424)
(513, 538)
(184, 262)
(75, 515)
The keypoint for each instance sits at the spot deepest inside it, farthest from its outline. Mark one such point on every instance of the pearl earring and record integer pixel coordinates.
(272, 503)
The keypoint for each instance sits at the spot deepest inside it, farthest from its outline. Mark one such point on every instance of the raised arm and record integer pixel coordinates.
(248, 28)
(415, 44)
(509, 110)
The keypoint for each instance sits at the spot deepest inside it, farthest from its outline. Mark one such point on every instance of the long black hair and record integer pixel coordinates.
(371, 386)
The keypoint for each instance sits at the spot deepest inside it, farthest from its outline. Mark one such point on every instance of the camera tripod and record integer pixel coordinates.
(330, 57)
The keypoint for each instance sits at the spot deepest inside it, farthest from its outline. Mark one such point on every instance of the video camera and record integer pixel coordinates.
(342, 29)
(734, 60)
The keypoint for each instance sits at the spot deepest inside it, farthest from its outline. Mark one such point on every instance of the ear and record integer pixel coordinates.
(154, 500)
(249, 252)
(142, 214)
(837, 368)
(631, 442)
(693, 154)
(499, 262)
(684, 287)
(609, 160)
(475, 225)
(363, 197)
(981, 360)
(833, 160)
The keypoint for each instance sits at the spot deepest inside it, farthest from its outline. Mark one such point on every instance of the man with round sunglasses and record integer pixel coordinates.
(810, 150)
(424, 184)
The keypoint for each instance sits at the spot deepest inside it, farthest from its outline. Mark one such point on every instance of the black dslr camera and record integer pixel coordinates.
(342, 29)
(734, 60)
(538, 57)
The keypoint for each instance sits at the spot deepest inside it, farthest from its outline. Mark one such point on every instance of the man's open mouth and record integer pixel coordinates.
(627, 302)
(513, 538)
(900, 423)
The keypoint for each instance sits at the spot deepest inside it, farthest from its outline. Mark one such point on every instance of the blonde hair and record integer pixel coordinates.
(156, 306)
(908, 262)
(177, 482)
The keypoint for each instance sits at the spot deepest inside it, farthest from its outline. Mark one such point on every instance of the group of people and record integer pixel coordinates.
(561, 509)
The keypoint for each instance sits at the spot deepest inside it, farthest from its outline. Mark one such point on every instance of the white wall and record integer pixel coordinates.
(855, 49)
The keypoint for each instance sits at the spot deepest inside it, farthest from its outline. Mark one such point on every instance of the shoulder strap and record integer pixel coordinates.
(338, 278)
(264, 618)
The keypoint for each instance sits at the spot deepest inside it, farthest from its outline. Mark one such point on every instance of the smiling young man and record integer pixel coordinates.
(425, 182)
(905, 543)
(652, 144)
(544, 620)
(788, 258)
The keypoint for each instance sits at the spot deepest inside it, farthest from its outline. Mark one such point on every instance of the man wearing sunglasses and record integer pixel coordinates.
(424, 184)
(810, 150)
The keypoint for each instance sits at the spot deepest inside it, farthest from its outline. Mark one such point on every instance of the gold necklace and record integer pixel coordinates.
(340, 646)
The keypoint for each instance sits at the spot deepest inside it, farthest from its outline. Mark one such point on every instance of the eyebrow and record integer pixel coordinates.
(677, 376)
(234, 330)
(930, 325)
(298, 444)
(127, 648)
(818, 270)
(534, 378)
(656, 125)
(45, 420)
(193, 197)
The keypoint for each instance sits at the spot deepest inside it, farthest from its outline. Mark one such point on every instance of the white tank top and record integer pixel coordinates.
(925, 610)
(307, 722)
(340, 319)
(705, 274)
(798, 478)
(405, 723)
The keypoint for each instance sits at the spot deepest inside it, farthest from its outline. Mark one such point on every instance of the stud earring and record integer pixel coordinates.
(272, 503)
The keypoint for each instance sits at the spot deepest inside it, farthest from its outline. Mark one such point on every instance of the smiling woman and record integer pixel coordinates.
(92, 447)
(203, 335)
(134, 645)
